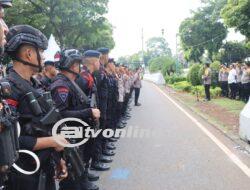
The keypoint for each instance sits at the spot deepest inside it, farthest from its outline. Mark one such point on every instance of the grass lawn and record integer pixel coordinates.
(232, 106)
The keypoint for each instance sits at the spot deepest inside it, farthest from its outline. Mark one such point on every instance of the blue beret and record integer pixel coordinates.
(91, 53)
(103, 50)
(49, 63)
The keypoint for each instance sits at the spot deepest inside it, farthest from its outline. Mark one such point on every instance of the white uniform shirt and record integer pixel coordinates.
(232, 77)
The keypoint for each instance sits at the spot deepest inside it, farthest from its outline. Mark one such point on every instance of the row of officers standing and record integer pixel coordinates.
(88, 86)
(235, 81)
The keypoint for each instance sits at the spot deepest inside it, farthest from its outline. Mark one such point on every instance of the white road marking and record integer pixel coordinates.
(226, 150)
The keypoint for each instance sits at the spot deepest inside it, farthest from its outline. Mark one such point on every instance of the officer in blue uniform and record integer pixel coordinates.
(112, 98)
(102, 91)
(72, 103)
(87, 83)
(49, 73)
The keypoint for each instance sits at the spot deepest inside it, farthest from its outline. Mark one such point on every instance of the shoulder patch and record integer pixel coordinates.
(63, 93)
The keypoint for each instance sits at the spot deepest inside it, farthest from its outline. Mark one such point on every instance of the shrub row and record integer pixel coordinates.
(196, 90)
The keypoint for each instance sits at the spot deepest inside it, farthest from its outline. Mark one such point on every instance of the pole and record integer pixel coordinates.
(142, 38)
(176, 52)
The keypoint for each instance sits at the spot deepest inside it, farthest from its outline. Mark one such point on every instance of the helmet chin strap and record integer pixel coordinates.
(39, 66)
(72, 72)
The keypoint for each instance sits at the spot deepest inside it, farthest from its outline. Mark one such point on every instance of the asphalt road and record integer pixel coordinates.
(180, 157)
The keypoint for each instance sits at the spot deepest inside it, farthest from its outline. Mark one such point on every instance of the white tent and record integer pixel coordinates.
(156, 78)
(53, 48)
(245, 123)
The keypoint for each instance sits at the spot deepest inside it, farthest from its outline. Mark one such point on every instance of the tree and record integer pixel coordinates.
(236, 14)
(165, 64)
(232, 52)
(158, 46)
(132, 61)
(203, 31)
(78, 23)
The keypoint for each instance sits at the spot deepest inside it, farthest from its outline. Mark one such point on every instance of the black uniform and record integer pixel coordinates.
(112, 102)
(29, 134)
(46, 82)
(102, 91)
(70, 104)
(67, 99)
(87, 84)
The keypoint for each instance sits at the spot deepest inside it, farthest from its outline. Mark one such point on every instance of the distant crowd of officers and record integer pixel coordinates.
(233, 80)
(88, 86)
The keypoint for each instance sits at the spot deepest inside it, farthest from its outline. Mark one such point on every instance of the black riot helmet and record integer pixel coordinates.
(68, 58)
(6, 3)
(24, 34)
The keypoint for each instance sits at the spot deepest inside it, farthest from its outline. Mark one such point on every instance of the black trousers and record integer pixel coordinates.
(246, 92)
(98, 143)
(239, 90)
(224, 88)
(137, 94)
(18, 181)
(233, 90)
(125, 104)
(118, 113)
(207, 91)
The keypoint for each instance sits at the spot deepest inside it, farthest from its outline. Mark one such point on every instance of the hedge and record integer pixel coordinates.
(174, 78)
(183, 86)
(215, 92)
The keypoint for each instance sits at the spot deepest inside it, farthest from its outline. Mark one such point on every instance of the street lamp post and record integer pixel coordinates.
(176, 52)
(142, 38)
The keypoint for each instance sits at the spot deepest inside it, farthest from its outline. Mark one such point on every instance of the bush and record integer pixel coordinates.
(174, 78)
(183, 86)
(193, 75)
(198, 90)
(215, 92)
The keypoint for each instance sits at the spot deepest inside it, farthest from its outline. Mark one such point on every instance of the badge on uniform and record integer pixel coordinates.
(63, 94)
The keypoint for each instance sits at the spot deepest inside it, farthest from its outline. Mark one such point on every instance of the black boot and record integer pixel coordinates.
(108, 152)
(112, 140)
(110, 147)
(99, 166)
(87, 185)
(105, 159)
(110, 144)
(93, 177)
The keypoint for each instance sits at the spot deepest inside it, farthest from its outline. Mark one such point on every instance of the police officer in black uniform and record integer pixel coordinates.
(72, 103)
(87, 83)
(112, 98)
(25, 45)
(102, 90)
(49, 73)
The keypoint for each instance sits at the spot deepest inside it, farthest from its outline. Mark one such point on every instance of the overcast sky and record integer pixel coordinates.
(129, 17)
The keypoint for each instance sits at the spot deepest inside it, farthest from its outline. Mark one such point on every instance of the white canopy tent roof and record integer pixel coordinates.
(53, 48)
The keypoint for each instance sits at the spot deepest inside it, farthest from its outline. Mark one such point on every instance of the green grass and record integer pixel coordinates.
(232, 106)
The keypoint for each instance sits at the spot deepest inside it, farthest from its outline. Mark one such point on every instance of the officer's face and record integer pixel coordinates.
(52, 70)
(76, 67)
(105, 58)
(96, 64)
(3, 29)
(28, 53)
